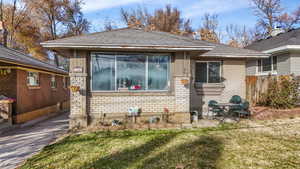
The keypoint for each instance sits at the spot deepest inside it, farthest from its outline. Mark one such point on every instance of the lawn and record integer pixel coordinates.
(224, 147)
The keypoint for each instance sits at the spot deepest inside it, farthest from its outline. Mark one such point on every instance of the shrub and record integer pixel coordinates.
(282, 93)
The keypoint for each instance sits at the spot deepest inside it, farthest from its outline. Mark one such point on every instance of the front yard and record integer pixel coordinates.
(271, 145)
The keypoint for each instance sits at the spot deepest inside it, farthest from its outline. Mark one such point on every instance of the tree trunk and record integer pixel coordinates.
(5, 34)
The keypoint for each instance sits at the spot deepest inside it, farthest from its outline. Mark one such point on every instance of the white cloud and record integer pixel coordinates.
(214, 6)
(92, 5)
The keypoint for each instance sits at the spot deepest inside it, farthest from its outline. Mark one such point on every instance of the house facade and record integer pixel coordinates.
(284, 49)
(36, 88)
(126, 69)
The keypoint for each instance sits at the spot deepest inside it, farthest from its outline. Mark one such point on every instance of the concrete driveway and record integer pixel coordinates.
(20, 144)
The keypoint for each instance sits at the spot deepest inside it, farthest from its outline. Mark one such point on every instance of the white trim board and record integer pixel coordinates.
(283, 48)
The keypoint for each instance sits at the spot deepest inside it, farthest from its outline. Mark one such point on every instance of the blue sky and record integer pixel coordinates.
(229, 11)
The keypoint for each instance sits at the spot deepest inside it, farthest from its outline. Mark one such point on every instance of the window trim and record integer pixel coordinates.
(93, 54)
(265, 73)
(51, 82)
(38, 80)
(207, 72)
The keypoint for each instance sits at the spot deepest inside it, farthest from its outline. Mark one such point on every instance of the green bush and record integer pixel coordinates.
(282, 93)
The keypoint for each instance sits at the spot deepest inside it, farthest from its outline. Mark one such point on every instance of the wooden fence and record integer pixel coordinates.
(256, 85)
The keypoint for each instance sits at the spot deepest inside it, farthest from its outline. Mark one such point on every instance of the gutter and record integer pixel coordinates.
(156, 47)
(262, 55)
(282, 48)
(32, 68)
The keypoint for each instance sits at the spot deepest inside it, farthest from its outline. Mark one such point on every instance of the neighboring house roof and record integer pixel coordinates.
(129, 38)
(284, 41)
(19, 58)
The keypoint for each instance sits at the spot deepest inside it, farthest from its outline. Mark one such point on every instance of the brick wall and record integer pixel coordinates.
(30, 99)
(177, 101)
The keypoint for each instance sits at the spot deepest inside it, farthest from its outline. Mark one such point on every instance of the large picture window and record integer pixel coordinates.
(208, 72)
(130, 72)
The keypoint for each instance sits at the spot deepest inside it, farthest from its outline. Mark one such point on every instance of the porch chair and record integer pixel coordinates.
(242, 109)
(215, 108)
(235, 99)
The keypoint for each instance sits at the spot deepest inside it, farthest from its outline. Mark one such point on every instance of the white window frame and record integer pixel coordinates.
(53, 84)
(207, 72)
(37, 80)
(265, 73)
(93, 54)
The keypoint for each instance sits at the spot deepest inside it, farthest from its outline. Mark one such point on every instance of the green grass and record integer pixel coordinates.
(221, 147)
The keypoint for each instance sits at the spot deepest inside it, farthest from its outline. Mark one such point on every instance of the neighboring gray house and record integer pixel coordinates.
(154, 71)
(285, 55)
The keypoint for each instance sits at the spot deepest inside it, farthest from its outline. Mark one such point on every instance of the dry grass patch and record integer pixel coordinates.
(224, 147)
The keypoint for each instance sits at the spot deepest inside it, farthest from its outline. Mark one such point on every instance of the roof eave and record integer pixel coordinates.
(150, 47)
(282, 49)
(62, 72)
(237, 55)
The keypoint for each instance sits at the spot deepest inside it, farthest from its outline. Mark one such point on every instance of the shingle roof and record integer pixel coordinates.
(131, 37)
(291, 37)
(19, 58)
(222, 50)
(128, 37)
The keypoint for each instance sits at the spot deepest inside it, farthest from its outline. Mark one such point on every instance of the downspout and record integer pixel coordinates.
(184, 63)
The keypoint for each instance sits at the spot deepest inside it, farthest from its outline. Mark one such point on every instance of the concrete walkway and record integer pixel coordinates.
(20, 144)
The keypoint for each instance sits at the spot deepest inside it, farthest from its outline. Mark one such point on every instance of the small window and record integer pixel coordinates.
(274, 63)
(267, 64)
(53, 81)
(208, 72)
(33, 79)
(259, 65)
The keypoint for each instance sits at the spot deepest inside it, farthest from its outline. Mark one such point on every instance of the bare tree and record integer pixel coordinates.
(73, 19)
(137, 17)
(20, 30)
(288, 21)
(4, 30)
(166, 19)
(267, 12)
(238, 36)
(208, 30)
(109, 25)
(270, 14)
(49, 14)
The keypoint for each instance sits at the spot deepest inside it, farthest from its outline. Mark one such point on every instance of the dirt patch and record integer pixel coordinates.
(265, 113)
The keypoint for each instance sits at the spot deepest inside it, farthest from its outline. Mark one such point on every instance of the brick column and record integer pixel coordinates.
(182, 99)
(182, 94)
(78, 116)
(78, 100)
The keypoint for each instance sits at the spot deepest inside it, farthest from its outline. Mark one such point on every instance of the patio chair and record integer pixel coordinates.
(245, 109)
(242, 107)
(215, 108)
(236, 99)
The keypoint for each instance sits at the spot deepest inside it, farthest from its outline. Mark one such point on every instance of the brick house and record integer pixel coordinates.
(153, 71)
(38, 88)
